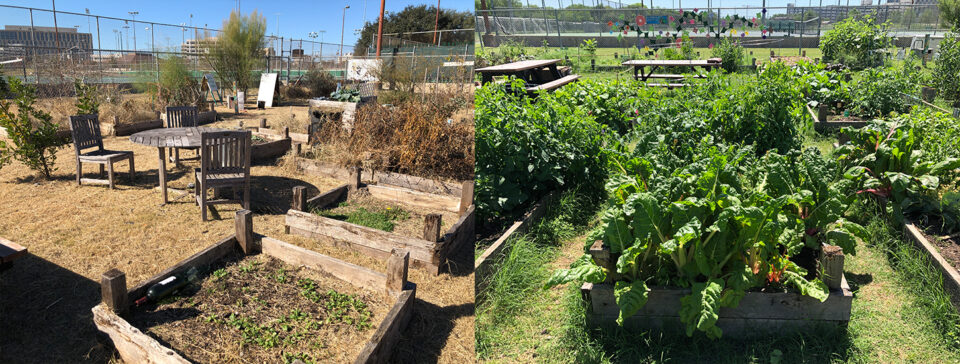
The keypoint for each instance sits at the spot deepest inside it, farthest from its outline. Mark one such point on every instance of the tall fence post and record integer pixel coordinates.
(33, 46)
(100, 51)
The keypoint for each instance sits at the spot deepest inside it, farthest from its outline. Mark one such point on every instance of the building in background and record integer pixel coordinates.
(44, 40)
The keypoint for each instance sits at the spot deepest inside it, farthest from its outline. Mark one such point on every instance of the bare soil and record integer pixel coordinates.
(947, 245)
(257, 310)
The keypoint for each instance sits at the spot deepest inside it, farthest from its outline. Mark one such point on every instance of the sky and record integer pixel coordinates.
(294, 18)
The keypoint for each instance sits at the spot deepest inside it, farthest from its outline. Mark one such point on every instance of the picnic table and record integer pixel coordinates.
(539, 74)
(639, 66)
(170, 138)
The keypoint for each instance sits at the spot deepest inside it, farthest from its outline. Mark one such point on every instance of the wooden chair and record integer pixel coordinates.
(224, 162)
(85, 130)
(181, 117)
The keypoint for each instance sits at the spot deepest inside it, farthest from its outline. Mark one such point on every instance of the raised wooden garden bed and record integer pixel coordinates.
(321, 169)
(759, 313)
(822, 120)
(337, 111)
(951, 277)
(499, 248)
(271, 146)
(135, 346)
(10, 251)
(429, 251)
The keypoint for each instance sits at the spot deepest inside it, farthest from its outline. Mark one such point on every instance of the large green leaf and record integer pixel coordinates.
(631, 297)
(700, 310)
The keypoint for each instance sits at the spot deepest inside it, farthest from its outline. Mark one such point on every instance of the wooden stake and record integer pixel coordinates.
(831, 266)
(397, 270)
(299, 198)
(113, 288)
(296, 149)
(466, 196)
(263, 123)
(244, 224)
(431, 227)
(355, 173)
(286, 132)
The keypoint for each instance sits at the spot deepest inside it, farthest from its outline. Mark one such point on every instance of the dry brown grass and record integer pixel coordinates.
(75, 233)
(130, 108)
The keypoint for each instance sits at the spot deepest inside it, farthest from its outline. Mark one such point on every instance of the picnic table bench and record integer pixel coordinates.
(639, 66)
(10, 251)
(539, 74)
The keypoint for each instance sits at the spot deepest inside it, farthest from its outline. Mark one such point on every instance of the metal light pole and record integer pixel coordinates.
(342, 24)
(56, 29)
(134, 14)
(436, 23)
(380, 26)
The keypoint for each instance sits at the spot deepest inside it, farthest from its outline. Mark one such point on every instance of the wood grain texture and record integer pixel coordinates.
(328, 198)
(113, 290)
(353, 234)
(10, 251)
(380, 346)
(347, 272)
(397, 266)
(133, 345)
(409, 197)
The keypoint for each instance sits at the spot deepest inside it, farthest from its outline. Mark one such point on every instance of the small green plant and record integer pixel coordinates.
(378, 219)
(877, 91)
(589, 46)
(856, 43)
(220, 273)
(946, 74)
(544, 46)
(345, 95)
(280, 276)
(731, 54)
(31, 131)
(87, 98)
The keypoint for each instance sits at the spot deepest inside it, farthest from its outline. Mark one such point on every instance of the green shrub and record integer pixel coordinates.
(177, 85)
(320, 82)
(946, 74)
(821, 85)
(877, 91)
(731, 54)
(88, 102)
(31, 131)
(856, 43)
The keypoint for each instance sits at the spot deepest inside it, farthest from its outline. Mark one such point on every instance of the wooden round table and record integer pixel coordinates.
(169, 138)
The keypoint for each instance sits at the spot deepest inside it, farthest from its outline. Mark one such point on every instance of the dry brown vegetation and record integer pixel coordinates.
(428, 135)
(130, 108)
(76, 233)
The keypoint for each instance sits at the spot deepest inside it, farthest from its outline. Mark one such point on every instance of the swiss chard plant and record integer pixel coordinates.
(720, 221)
(887, 161)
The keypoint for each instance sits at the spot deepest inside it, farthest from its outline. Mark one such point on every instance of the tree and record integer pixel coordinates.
(418, 18)
(950, 12)
(32, 134)
(237, 52)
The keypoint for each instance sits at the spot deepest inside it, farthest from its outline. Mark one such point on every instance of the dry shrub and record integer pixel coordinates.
(293, 92)
(130, 108)
(419, 136)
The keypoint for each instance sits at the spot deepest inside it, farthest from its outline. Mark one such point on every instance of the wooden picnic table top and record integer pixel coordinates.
(519, 66)
(171, 137)
(712, 62)
(10, 251)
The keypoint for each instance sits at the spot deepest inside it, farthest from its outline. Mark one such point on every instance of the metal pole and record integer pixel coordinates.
(56, 29)
(99, 50)
(436, 24)
(33, 47)
(156, 59)
(343, 23)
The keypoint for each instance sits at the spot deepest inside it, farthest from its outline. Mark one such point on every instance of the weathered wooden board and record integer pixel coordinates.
(380, 346)
(311, 225)
(134, 346)
(409, 197)
(951, 278)
(128, 129)
(499, 248)
(10, 251)
(203, 258)
(328, 198)
(317, 168)
(461, 235)
(339, 269)
(418, 183)
(269, 150)
(756, 309)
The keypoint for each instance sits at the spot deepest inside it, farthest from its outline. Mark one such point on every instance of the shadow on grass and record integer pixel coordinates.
(45, 315)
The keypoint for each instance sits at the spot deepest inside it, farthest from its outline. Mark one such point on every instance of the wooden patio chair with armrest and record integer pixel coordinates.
(85, 130)
(181, 117)
(224, 162)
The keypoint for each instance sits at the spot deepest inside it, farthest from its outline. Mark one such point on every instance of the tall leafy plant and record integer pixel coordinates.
(88, 102)
(32, 133)
(730, 53)
(856, 42)
(946, 74)
(177, 85)
(236, 53)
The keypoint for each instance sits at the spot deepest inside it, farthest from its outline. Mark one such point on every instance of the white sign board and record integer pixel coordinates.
(268, 84)
(362, 69)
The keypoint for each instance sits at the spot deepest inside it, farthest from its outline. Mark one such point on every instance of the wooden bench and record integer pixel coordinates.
(10, 251)
(555, 84)
(674, 76)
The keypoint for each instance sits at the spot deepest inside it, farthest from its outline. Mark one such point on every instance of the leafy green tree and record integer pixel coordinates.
(950, 12)
(856, 43)
(31, 131)
(730, 53)
(87, 98)
(417, 18)
(237, 52)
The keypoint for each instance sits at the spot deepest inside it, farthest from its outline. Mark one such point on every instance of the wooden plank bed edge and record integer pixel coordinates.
(499, 248)
(344, 271)
(312, 226)
(133, 345)
(461, 234)
(380, 346)
(951, 277)
(204, 257)
(419, 184)
(16, 251)
(410, 197)
(338, 194)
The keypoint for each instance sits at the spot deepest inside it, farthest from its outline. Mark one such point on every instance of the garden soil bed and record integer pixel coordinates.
(255, 309)
(943, 251)
(408, 221)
